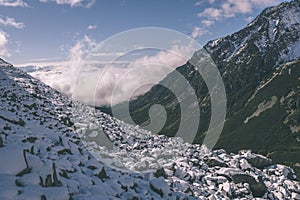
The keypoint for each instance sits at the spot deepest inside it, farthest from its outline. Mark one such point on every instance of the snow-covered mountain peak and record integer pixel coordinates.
(275, 28)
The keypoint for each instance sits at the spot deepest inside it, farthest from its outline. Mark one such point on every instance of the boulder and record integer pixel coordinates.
(259, 161)
(258, 189)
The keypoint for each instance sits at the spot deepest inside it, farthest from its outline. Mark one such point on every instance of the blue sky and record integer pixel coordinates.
(46, 30)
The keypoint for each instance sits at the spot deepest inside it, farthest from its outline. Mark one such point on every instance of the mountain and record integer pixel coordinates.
(260, 67)
(50, 148)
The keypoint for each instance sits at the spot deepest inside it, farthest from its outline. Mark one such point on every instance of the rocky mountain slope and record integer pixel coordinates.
(260, 68)
(50, 148)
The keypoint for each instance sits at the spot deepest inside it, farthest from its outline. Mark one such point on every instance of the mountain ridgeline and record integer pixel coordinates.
(260, 67)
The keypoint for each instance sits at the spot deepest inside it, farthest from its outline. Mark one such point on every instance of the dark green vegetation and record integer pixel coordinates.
(261, 73)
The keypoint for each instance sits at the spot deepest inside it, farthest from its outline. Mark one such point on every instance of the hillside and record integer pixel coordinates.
(50, 149)
(260, 69)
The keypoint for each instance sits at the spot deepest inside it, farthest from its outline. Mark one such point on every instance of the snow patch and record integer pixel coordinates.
(12, 159)
(261, 108)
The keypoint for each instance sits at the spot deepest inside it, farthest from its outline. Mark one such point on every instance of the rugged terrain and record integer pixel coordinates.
(260, 67)
(50, 148)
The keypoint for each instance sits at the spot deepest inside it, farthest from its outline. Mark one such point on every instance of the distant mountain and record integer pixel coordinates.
(49, 146)
(260, 67)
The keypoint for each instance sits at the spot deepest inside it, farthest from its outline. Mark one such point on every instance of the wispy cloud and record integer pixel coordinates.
(119, 81)
(122, 83)
(211, 13)
(73, 3)
(3, 44)
(207, 23)
(4, 36)
(13, 3)
(11, 22)
(199, 3)
(231, 8)
(222, 10)
(77, 54)
(91, 27)
(45, 59)
(199, 31)
(61, 75)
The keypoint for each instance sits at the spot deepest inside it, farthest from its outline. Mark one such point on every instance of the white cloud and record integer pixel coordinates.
(76, 60)
(207, 22)
(265, 3)
(4, 36)
(12, 3)
(73, 3)
(3, 44)
(211, 13)
(222, 10)
(61, 75)
(199, 3)
(198, 32)
(119, 84)
(231, 8)
(92, 27)
(12, 22)
(124, 77)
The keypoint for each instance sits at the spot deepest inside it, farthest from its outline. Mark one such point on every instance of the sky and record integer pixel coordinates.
(37, 31)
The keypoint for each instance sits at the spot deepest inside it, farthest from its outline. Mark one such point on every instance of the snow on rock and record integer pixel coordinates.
(50, 150)
(276, 29)
(12, 160)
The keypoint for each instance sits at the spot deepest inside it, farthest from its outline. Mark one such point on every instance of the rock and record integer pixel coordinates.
(213, 197)
(48, 181)
(56, 182)
(30, 139)
(244, 164)
(221, 179)
(159, 186)
(214, 162)
(241, 192)
(283, 191)
(227, 188)
(259, 161)
(278, 195)
(160, 173)
(289, 173)
(102, 175)
(295, 196)
(1, 142)
(258, 188)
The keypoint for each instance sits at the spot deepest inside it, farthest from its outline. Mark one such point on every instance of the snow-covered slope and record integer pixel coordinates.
(46, 152)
